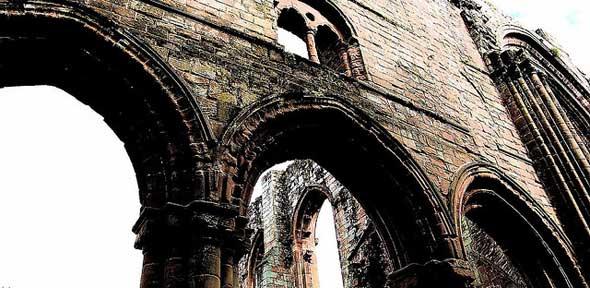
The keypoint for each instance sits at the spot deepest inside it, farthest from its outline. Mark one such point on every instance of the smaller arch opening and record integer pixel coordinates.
(499, 241)
(255, 262)
(306, 232)
(292, 21)
(331, 50)
(292, 32)
(328, 258)
(333, 15)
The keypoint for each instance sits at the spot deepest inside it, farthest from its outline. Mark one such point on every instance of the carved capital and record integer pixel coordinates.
(451, 273)
(149, 228)
(496, 65)
(527, 66)
(156, 224)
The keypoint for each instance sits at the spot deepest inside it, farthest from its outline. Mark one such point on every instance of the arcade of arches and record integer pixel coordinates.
(451, 145)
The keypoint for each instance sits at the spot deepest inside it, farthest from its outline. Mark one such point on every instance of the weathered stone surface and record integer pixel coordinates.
(298, 192)
(421, 122)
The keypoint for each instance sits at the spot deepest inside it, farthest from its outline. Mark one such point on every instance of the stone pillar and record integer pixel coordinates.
(311, 46)
(449, 273)
(205, 263)
(217, 240)
(175, 274)
(344, 59)
(228, 266)
(357, 64)
(161, 234)
(149, 229)
(553, 98)
(557, 115)
(183, 244)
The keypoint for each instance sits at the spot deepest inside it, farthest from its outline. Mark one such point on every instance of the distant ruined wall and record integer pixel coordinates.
(361, 253)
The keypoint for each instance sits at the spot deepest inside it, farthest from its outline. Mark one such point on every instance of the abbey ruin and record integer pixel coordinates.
(451, 142)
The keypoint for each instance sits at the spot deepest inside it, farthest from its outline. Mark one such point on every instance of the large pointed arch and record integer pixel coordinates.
(572, 90)
(516, 37)
(147, 105)
(380, 173)
(549, 101)
(141, 98)
(510, 207)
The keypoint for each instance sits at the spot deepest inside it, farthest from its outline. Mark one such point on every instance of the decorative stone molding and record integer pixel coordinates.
(451, 273)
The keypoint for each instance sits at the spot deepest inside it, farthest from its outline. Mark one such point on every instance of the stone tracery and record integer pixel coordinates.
(328, 38)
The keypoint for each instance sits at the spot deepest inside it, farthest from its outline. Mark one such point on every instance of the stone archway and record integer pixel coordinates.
(514, 224)
(305, 218)
(145, 103)
(385, 179)
(547, 101)
(254, 259)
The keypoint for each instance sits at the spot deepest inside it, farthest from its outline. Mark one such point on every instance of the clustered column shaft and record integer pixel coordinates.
(344, 59)
(311, 46)
(549, 135)
(357, 64)
(188, 246)
(351, 61)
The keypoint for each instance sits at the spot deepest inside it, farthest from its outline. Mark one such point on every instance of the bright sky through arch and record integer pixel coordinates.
(566, 20)
(68, 195)
(329, 270)
(292, 43)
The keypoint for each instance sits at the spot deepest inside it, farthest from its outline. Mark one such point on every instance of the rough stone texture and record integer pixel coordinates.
(206, 99)
(230, 72)
(362, 255)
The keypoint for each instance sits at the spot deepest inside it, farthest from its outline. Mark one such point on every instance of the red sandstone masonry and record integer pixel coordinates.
(416, 51)
(427, 87)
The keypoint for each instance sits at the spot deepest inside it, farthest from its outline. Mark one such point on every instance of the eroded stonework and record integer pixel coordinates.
(288, 194)
(426, 111)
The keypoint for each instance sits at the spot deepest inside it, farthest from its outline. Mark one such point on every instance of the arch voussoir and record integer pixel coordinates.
(149, 107)
(479, 186)
(254, 138)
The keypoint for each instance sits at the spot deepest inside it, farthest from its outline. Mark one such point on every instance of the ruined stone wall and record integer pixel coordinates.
(429, 99)
(428, 85)
(361, 252)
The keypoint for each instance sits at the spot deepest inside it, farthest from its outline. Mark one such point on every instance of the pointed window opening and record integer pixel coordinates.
(331, 50)
(326, 34)
(328, 258)
(292, 33)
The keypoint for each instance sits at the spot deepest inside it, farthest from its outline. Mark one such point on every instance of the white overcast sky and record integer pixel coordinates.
(566, 20)
(68, 195)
